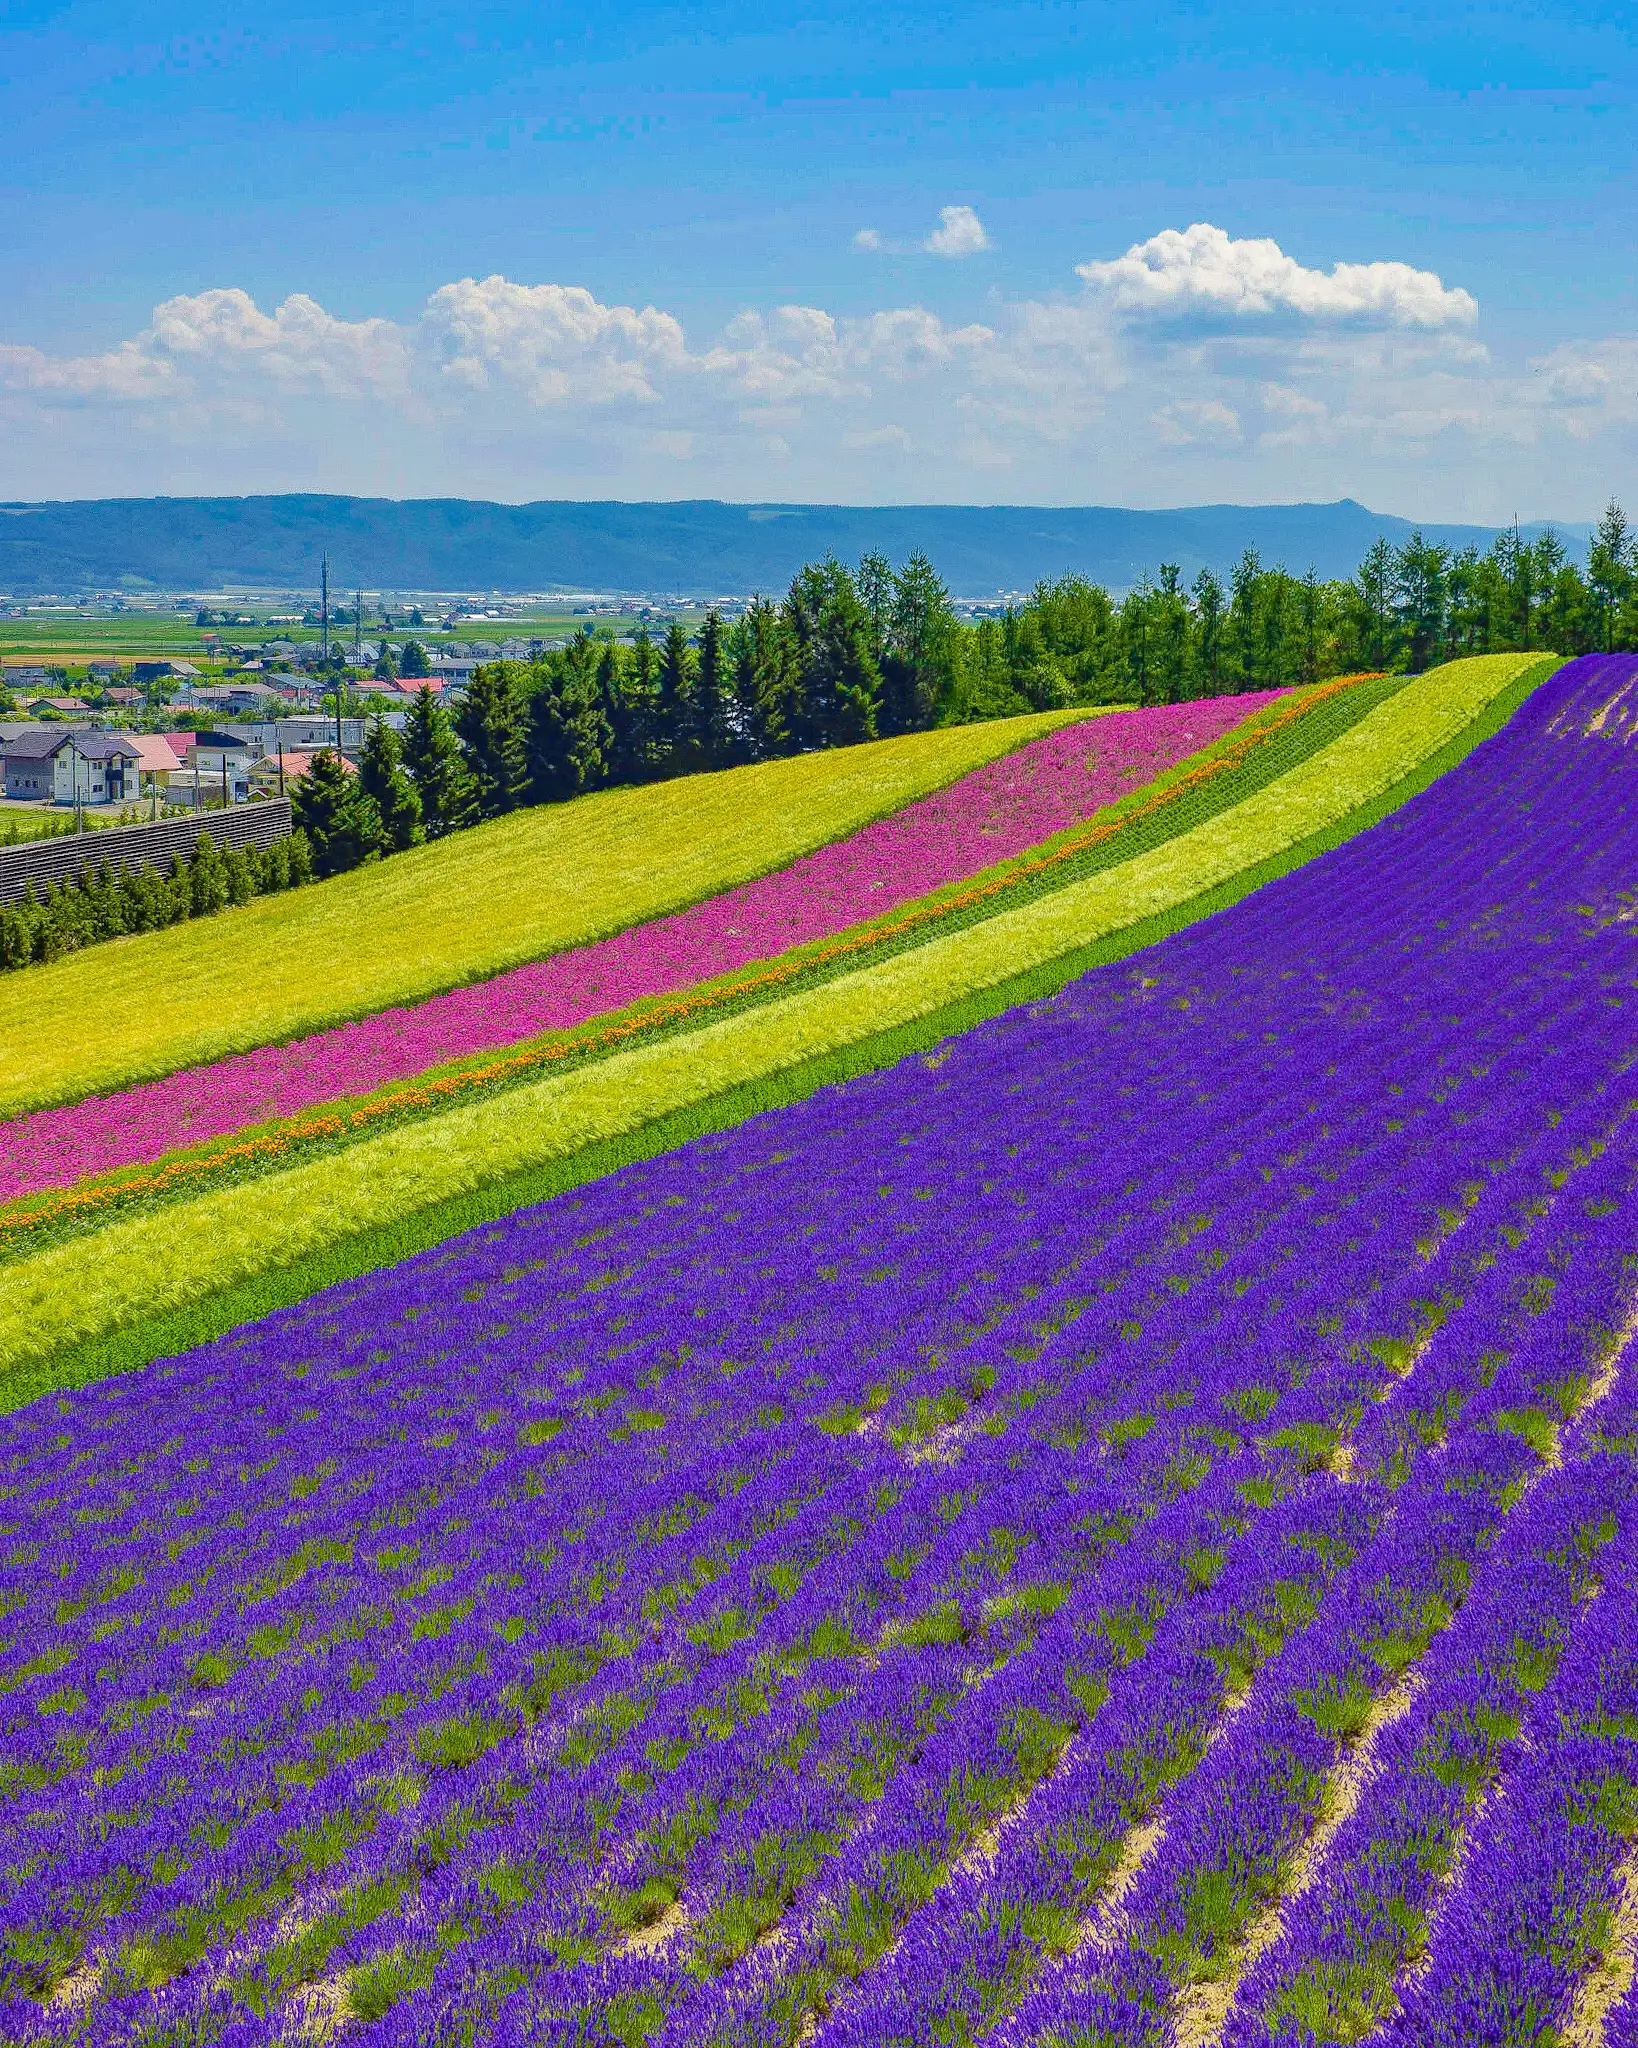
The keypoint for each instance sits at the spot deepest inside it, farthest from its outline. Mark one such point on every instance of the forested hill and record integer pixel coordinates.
(701, 546)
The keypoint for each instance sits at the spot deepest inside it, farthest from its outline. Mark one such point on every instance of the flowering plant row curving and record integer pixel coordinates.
(990, 815)
(1119, 1529)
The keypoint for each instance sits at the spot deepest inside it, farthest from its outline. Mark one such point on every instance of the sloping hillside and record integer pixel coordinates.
(451, 912)
(360, 1187)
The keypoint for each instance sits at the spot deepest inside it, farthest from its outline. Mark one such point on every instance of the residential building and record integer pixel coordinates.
(246, 693)
(278, 774)
(218, 764)
(52, 765)
(158, 671)
(157, 762)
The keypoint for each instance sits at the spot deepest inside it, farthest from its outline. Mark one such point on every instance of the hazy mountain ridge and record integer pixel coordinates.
(700, 546)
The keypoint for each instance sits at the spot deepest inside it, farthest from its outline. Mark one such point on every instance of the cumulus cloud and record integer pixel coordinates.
(1202, 270)
(1194, 366)
(894, 440)
(195, 344)
(554, 343)
(960, 232)
(126, 372)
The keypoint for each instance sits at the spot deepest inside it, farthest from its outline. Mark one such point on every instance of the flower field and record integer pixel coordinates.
(122, 1274)
(469, 906)
(989, 815)
(1119, 1528)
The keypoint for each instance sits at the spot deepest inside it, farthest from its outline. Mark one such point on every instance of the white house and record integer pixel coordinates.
(54, 766)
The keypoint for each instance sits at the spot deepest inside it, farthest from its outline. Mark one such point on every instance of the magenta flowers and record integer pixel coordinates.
(994, 813)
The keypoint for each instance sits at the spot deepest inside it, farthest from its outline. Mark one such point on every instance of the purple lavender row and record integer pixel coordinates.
(1037, 1565)
(976, 1957)
(663, 1285)
(1334, 1973)
(1531, 1917)
(901, 2016)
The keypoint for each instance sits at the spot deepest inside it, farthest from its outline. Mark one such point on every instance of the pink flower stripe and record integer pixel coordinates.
(990, 815)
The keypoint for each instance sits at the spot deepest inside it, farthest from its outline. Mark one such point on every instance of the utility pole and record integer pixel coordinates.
(324, 610)
(358, 628)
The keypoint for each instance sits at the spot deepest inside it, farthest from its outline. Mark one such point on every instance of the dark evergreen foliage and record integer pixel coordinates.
(436, 766)
(491, 726)
(342, 823)
(100, 904)
(382, 778)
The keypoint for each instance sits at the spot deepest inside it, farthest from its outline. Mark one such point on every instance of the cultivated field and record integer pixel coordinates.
(483, 900)
(1115, 1524)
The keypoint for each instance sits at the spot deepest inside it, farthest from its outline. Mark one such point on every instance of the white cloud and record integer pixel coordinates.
(960, 232)
(554, 343)
(1297, 383)
(1187, 421)
(126, 372)
(889, 437)
(1200, 269)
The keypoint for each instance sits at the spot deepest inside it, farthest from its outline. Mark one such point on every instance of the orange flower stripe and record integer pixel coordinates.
(74, 1204)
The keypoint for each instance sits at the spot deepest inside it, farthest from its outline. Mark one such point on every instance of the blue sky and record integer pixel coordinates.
(667, 251)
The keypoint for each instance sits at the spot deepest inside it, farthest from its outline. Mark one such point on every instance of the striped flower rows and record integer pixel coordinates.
(189, 1170)
(990, 815)
(1113, 1531)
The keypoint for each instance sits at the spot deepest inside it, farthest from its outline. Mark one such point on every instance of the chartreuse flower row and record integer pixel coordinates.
(1249, 757)
(469, 906)
(207, 1261)
(1089, 1537)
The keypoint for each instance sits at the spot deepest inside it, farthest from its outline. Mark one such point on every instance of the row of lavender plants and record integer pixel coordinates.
(937, 1561)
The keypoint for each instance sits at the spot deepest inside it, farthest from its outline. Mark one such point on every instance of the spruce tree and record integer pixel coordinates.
(432, 755)
(876, 585)
(625, 738)
(490, 727)
(837, 677)
(569, 738)
(642, 687)
(342, 824)
(1610, 565)
(765, 685)
(676, 691)
(916, 645)
(709, 734)
(381, 776)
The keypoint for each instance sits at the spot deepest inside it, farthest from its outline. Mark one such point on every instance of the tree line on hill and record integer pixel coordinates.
(848, 655)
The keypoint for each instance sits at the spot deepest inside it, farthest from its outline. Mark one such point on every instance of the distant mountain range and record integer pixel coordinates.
(698, 547)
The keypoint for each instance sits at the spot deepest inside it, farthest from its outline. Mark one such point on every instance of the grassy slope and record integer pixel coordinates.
(515, 890)
(174, 1277)
(1225, 772)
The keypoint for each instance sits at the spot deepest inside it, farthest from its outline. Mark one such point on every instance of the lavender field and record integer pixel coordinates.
(1121, 1529)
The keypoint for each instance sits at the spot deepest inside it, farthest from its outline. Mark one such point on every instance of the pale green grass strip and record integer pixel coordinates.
(515, 890)
(81, 1290)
